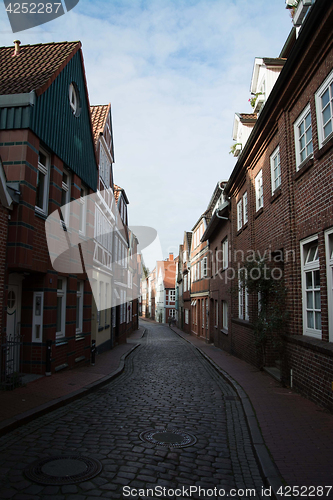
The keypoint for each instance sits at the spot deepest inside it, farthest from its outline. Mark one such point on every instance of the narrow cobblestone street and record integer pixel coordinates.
(166, 386)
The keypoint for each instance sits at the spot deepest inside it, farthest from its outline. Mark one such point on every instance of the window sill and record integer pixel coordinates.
(40, 214)
(60, 342)
(239, 231)
(242, 322)
(259, 212)
(276, 195)
(325, 147)
(312, 343)
(224, 331)
(304, 168)
(79, 336)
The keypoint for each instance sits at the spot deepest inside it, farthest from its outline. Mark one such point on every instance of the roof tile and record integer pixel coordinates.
(35, 67)
(98, 118)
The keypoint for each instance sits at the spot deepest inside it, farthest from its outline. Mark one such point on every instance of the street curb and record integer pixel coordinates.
(268, 468)
(29, 415)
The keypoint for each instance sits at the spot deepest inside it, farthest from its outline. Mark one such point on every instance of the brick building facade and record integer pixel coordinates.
(279, 205)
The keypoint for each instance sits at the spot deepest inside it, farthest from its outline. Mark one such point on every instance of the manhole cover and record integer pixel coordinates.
(173, 439)
(63, 470)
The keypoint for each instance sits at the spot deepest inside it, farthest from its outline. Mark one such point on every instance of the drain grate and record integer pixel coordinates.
(61, 469)
(168, 438)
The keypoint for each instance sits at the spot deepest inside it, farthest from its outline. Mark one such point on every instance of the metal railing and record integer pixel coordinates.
(10, 362)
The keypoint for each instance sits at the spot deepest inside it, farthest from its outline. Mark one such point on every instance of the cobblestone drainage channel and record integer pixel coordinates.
(169, 438)
(62, 470)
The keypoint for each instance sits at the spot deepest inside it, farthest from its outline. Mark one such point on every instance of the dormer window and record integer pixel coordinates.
(74, 99)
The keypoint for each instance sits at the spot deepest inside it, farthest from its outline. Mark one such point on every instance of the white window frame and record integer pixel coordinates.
(83, 211)
(80, 296)
(275, 162)
(172, 296)
(185, 282)
(246, 308)
(245, 208)
(66, 188)
(225, 315)
(240, 299)
(74, 99)
(204, 267)
(326, 85)
(186, 316)
(61, 293)
(298, 134)
(329, 273)
(100, 304)
(239, 215)
(172, 313)
(305, 268)
(259, 191)
(37, 317)
(45, 170)
(225, 254)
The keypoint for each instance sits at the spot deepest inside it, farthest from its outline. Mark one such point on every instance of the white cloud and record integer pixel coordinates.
(175, 73)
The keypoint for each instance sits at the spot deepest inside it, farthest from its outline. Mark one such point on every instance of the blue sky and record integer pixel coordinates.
(175, 72)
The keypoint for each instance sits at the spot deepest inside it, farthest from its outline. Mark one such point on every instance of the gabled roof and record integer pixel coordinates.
(35, 67)
(168, 270)
(117, 190)
(99, 115)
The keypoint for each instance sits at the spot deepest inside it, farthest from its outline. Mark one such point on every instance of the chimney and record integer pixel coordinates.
(17, 47)
(170, 256)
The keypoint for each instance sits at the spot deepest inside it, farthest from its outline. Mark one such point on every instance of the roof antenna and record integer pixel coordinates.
(17, 47)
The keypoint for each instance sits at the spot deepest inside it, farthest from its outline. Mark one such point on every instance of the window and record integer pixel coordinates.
(37, 322)
(245, 215)
(239, 215)
(247, 316)
(225, 254)
(259, 303)
(275, 170)
(172, 313)
(329, 268)
(216, 313)
(185, 282)
(42, 186)
(172, 295)
(204, 267)
(207, 314)
(303, 137)
(79, 307)
(61, 308)
(324, 108)
(107, 305)
(186, 316)
(225, 315)
(100, 304)
(311, 288)
(74, 99)
(65, 196)
(83, 211)
(203, 313)
(240, 299)
(259, 191)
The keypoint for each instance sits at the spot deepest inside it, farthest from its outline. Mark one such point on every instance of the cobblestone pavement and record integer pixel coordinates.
(166, 385)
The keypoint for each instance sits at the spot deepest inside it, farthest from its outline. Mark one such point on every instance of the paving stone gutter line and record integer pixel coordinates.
(29, 415)
(267, 466)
